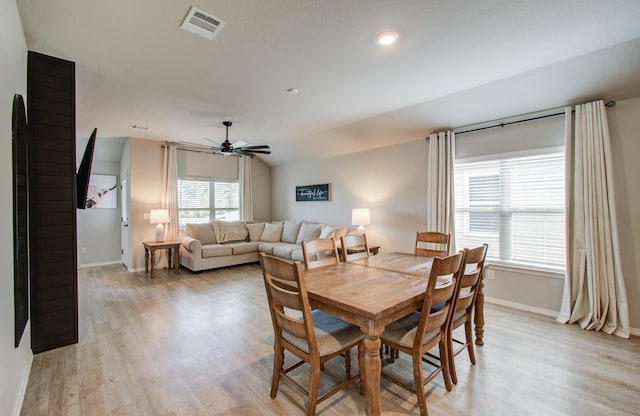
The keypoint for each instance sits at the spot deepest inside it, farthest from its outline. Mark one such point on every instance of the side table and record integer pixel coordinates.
(150, 248)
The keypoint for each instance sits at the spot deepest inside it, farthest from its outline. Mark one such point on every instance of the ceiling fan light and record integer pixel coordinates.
(387, 38)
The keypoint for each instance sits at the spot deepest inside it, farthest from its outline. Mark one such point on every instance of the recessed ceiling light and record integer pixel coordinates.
(292, 90)
(387, 38)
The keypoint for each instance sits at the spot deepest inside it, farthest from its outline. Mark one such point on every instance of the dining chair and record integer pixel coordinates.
(319, 252)
(419, 332)
(463, 305)
(312, 336)
(354, 247)
(432, 244)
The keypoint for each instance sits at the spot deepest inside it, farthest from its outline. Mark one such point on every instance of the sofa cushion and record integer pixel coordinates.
(216, 250)
(340, 232)
(267, 248)
(255, 230)
(243, 247)
(297, 255)
(228, 231)
(285, 249)
(327, 231)
(203, 232)
(308, 231)
(290, 231)
(272, 233)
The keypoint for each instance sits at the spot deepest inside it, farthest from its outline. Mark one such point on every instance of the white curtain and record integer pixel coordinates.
(440, 186)
(246, 188)
(170, 191)
(594, 293)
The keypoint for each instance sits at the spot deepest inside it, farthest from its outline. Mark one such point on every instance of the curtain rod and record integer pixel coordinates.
(471, 128)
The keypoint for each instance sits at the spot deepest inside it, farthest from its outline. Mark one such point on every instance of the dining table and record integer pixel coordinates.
(371, 293)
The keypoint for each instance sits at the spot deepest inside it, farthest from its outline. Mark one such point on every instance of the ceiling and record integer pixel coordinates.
(456, 62)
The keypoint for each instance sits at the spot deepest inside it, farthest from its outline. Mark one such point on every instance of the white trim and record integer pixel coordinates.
(22, 390)
(522, 307)
(511, 155)
(137, 269)
(530, 270)
(102, 263)
(634, 331)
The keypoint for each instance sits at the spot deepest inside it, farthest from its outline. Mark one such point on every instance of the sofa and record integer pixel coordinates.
(227, 243)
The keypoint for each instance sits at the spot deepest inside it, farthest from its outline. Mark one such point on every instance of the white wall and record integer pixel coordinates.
(390, 182)
(15, 363)
(99, 228)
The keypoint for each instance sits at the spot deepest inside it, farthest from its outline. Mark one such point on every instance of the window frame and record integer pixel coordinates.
(501, 263)
(212, 209)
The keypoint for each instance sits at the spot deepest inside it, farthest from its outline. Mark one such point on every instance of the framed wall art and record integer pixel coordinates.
(102, 192)
(314, 192)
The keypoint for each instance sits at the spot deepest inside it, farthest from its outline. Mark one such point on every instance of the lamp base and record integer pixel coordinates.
(360, 229)
(159, 233)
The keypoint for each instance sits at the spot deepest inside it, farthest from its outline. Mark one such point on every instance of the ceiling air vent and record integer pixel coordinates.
(202, 23)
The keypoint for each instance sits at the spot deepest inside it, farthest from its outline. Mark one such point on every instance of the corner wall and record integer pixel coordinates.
(15, 363)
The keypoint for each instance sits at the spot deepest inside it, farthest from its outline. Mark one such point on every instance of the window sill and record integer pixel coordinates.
(520, 268)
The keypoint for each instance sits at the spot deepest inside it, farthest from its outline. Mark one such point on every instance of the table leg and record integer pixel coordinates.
(176, 259)
(372, 366)
(170, 258)
(153, 262)
(146, 260)
(478, 317)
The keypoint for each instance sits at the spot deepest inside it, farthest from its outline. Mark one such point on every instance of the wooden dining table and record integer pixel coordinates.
(370, 293)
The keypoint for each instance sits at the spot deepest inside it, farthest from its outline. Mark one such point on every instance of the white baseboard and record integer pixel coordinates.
(17, 405)
(103, 263)
(521, 306)
(541, 311)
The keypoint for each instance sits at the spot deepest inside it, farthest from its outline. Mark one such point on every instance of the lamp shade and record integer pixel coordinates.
(159, 216)
(360, 216)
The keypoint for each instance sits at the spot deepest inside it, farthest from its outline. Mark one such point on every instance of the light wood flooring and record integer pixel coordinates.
(201, 344)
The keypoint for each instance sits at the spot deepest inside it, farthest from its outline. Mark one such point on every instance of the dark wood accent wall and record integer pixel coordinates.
(52, 197)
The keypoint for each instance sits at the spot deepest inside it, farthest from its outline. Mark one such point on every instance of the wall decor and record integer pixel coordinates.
(314, 192)
(102, 192)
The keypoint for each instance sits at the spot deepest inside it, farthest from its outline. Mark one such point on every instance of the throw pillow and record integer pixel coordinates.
(290, 231)
(227, 231)
(271, 233)
(202, 232)
(308, 231)
(340, 232)
(327, 231)
(255, 230)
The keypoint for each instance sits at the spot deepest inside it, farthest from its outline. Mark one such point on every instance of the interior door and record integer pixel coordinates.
(125, 232)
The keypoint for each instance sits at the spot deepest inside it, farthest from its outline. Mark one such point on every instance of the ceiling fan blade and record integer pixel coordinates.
(239, 143)
(263, 152)
(215, 143)
(264, 146)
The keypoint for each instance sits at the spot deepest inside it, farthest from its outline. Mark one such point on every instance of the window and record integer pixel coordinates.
(203, 201)
(516, 205)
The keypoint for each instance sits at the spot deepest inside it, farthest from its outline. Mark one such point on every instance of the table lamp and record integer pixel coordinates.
(360, 217)
(159, 216)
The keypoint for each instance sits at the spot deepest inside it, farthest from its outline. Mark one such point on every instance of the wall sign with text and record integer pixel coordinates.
(314, 192)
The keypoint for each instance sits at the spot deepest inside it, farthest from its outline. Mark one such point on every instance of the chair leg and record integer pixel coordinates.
(452, 361)
(314, 383)
(444, 362)
(469, 338)
(278, 362)
(417, 379)
(361, 366)
(347, 363)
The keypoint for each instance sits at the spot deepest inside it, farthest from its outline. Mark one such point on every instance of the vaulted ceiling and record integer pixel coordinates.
(456, 62)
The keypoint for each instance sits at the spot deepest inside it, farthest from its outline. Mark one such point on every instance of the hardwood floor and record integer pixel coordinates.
(201, 344)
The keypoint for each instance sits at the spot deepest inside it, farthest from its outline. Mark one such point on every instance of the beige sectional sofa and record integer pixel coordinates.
(227, 243)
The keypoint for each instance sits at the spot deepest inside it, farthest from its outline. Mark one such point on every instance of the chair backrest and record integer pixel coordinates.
(351, 241)
(471, 276)
(439, 293)
(319, 252)
(287, 297)
(427, 240)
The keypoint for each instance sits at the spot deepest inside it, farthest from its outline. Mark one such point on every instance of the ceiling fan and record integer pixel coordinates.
(239, 147)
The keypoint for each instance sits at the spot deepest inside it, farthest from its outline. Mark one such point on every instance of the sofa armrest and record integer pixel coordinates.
(193, 245)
